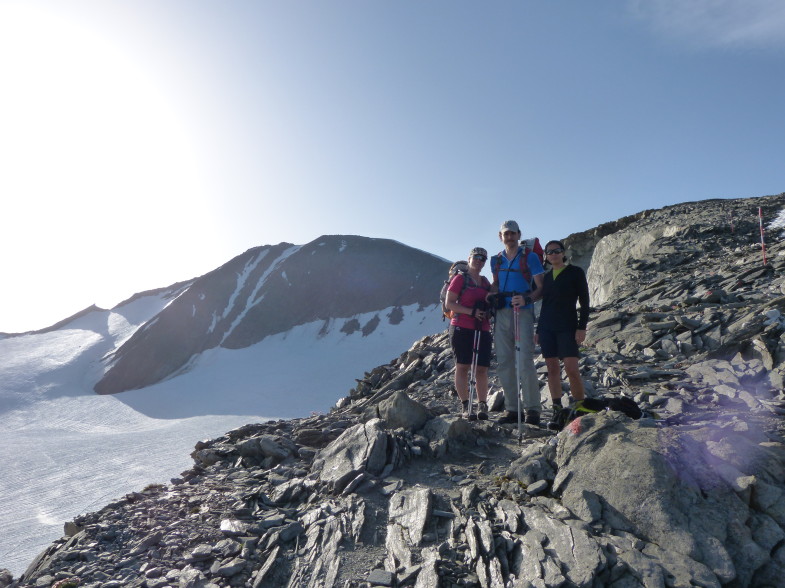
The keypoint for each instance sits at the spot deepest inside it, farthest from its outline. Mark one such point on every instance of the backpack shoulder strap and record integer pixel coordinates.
(523, 265)
(464, 283)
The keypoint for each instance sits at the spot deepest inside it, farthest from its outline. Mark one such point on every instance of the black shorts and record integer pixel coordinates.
(559, 344)
(462, 343)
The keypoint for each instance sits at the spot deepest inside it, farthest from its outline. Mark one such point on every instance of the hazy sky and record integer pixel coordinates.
(146, 142)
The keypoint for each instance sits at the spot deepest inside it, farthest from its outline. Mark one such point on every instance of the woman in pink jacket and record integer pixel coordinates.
(470, 324)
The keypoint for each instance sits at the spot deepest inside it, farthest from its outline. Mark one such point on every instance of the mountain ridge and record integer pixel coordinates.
(269, 290)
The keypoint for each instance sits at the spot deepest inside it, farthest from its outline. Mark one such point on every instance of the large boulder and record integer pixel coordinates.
(361, 448)
(690, 489)
(400, 411)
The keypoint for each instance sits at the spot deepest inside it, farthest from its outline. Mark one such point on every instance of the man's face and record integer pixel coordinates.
(510, 237)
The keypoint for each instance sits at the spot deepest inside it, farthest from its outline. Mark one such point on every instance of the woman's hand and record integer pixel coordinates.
(580, 336)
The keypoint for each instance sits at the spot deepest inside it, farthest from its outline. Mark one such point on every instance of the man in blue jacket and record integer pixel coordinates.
(517, 278)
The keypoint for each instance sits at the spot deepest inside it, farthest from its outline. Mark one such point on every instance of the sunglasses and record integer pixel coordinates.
(553, 251)
(480, 257)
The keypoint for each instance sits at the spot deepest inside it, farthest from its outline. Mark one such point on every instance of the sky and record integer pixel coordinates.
(148, 142)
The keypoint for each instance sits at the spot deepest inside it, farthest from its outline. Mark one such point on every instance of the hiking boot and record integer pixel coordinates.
(466, 414)
(532, 418)
(482, 411)
(509, 416)
(554, 424)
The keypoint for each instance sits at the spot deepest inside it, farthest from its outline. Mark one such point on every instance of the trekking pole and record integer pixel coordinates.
(515, 315)
(762, 239)
(473, 370)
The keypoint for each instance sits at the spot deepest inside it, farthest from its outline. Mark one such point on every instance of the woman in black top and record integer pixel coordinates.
(560, 329)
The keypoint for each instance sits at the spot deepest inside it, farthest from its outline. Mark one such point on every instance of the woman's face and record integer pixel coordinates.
(477, 261)
(554, 254)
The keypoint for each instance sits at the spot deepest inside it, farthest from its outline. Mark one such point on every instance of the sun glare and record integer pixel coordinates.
(92, 150)
(79, 117)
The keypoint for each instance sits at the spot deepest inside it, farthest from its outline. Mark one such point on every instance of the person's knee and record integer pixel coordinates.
(571, 367)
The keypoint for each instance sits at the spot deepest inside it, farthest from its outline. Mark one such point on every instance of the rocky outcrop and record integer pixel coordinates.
(392, 488)
(580, 246)
(692, 232)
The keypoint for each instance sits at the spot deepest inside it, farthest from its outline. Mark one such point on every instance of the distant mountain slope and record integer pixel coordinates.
(271, 289)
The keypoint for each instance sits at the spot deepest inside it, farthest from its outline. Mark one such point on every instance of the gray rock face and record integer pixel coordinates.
(691, 494)
(676, 487)
(409, 513)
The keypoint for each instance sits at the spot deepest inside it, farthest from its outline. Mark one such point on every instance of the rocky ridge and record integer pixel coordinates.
(392, 488)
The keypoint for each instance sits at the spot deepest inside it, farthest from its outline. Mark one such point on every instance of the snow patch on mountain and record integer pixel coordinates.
(242, 278)
(251, 301)
(289, 374)
(67, 361)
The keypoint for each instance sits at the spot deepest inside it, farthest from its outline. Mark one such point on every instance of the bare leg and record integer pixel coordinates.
(554, 377)
(577, 389)
(482, 383)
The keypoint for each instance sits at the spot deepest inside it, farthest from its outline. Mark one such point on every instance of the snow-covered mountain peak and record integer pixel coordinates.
(271, 290)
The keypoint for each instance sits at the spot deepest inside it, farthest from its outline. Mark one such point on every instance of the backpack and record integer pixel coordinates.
(529, 246)
(533, 246)
(459, 267)
(593, 405)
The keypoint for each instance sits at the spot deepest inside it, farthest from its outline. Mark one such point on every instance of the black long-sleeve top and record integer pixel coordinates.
(559, 298)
